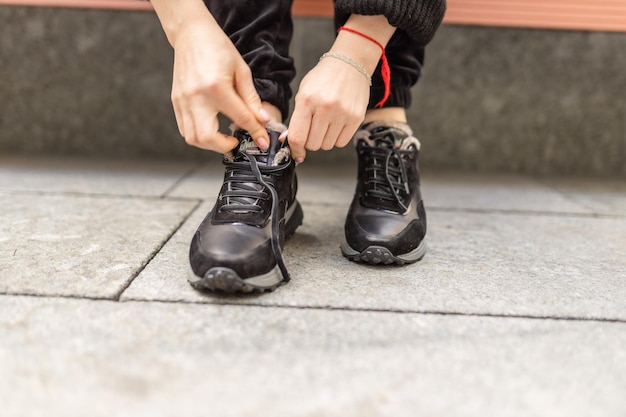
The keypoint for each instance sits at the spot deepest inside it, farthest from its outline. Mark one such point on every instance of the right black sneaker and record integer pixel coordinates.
(386, 222)
(237, 248)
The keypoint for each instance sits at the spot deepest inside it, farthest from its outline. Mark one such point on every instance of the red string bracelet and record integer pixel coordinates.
(385, 71)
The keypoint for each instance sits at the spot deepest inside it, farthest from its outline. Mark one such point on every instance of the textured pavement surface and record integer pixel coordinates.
(518, 308)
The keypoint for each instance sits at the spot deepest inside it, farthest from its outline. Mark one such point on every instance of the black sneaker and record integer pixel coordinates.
(237, 248)
(386, 222)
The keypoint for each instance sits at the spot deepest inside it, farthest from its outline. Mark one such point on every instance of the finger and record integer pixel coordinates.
(189, 130)
(331, 137)
(207, 135)
(346, 135)
(317, 131)
(236, 110)
(179, 116)
(298, 132)
(224, 143)
(246, 90)
(202, 127)
(283, 136)
(206, 126)
(175, 98)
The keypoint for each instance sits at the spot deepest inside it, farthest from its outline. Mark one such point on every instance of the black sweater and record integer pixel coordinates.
(418, 18)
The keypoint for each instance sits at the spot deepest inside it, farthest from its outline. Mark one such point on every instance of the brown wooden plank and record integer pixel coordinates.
(604, 15)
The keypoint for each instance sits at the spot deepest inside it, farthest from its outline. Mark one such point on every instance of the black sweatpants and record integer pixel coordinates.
(262, 31)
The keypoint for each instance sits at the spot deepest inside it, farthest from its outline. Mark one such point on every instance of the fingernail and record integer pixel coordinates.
(262, 143)
(299, 160)
(283, 135)
(264, 114)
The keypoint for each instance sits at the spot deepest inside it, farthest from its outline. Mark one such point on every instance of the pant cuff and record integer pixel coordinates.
(274, 93)
(398, 97)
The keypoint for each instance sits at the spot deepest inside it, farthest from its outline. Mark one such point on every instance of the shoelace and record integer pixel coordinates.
(386, 174)
(243, 196)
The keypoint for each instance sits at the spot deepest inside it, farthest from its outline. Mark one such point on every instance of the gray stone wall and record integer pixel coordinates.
(97, 83)
(535, 101)
(85, 82)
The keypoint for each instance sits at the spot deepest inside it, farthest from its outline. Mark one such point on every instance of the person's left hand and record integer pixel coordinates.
(330, 105)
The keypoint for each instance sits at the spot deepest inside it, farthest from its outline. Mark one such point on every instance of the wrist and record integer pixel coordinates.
(360, 50)
(189, 28)
(364, 39)
(382, 30)
(346, 59)
(179, 17)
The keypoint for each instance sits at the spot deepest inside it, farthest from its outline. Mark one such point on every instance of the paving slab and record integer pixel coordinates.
(90, 176)
(603, 197)
(64, 357)
(203, 182)
(478, 263)
(80, 245)
(497, 192)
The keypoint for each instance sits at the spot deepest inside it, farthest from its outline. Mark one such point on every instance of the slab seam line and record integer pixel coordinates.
(154, 253)
(329, 308)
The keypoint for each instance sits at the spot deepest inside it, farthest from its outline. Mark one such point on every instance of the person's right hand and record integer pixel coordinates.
(211, 77)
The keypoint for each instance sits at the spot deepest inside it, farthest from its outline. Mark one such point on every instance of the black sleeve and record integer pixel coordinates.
(418, 18)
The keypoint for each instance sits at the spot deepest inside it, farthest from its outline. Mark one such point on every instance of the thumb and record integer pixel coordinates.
(299, 127)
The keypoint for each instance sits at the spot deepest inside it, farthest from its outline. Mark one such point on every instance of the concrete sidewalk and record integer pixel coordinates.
(518, 308)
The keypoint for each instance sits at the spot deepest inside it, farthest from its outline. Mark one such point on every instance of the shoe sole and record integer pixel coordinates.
(226, 280)
(380, 255)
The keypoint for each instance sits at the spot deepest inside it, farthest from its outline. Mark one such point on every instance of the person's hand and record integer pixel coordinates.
(211, 77)
(333, 97)
(330, 105)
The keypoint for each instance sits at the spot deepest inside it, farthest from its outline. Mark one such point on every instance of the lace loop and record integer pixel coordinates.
(243, 191)
(385, 171)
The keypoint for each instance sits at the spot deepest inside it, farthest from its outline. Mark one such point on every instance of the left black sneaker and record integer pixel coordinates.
(386, 222)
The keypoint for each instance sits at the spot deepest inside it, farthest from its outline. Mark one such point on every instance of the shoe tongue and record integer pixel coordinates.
(385, 138)
(387, 143)
(247, 145)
